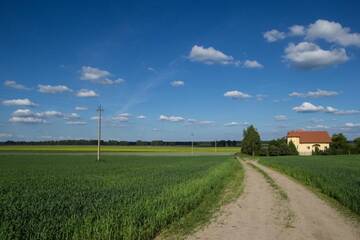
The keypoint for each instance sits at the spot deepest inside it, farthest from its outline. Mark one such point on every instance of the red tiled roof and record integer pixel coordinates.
(311, 136)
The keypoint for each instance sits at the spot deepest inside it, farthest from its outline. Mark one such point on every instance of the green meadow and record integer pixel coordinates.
(120, 197)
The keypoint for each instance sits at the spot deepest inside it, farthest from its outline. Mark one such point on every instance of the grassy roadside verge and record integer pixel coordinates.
(334, 179)
(209, 206)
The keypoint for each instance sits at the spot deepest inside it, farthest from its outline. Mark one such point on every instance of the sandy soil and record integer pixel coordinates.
(261, 213)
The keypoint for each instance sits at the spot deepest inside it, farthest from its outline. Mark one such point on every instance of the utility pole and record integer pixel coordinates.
(99, 110)
(192, 143)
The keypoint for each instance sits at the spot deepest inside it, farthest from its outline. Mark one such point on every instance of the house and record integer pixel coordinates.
(307, 141)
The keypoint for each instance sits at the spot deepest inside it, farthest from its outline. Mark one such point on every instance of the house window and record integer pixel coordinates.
(308, 147)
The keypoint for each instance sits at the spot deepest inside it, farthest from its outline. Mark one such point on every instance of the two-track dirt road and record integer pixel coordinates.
(261, 212)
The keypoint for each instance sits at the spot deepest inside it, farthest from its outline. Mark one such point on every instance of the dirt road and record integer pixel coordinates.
(262, 212)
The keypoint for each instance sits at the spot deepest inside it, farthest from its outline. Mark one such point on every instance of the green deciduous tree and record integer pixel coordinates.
(339, 144)
(251, 142)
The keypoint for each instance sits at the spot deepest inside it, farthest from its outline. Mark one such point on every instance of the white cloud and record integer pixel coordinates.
(199, 122)
(51, 113)
(260, 97)
(308, 107)
(15, 85)
(122, 117)
(280, 118)
(77, 108)
(97, 75)
(76, 123)
(28, 116)
(171, 118)
(319, 126)
(297, 30)
(315, 94)
(274, 35)
(352, 125)
(141, 117)
(26, 120)
(306, 55)
(235, 94)
(333, 32)
(86, 93)
(177, 83)
(5, 135)
(210, 56)
(18, 102)
(347, 112)
(53, 89)
(151, 69)
(231, 124)
(252, 64)
(72, 116)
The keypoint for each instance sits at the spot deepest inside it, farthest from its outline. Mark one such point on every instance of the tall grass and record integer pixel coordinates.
(74, 197)
(336, 176)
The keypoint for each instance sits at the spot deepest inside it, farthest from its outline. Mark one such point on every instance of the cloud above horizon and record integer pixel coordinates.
(314, 94)
(96, 75)
(85, 93)
(306, 55)
(235, 94)
(53, 89)
(15, 85)
(19, 102)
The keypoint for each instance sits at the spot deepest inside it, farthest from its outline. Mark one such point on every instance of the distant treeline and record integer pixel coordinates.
(220, 143)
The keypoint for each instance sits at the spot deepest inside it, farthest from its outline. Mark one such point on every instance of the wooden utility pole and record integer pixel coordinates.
(99, 110)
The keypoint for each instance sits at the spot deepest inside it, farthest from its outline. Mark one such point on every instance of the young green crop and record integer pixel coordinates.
(126, 149)
(127, 197)
(335, 176)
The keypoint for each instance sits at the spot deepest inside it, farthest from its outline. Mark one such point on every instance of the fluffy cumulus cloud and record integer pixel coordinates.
(19, 102)
(297, 30)
(252, 64)
(141, 117)
(72, 116)
(86, 93)
(15, 85)
(332, 32)
(210, 56)
(177, 83)
(274, 35)
(28, 116)
(167, 118)
(97, 75)
(306, 55)
(315, 94)
(307, 107)
(53, 89)
(280, 118)
(235, 94)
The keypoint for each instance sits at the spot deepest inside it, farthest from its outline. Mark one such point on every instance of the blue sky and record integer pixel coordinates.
(165, 69)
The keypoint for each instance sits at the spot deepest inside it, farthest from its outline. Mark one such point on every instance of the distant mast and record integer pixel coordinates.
(99, 110)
